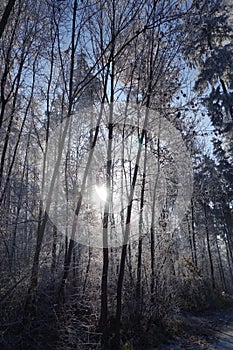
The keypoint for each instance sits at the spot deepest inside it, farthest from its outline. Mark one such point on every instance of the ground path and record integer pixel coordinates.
(212, 330)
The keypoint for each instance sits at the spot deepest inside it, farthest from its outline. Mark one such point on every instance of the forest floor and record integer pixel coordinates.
(209, 330)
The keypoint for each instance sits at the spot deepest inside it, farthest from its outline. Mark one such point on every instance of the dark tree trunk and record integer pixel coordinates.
(6, 15)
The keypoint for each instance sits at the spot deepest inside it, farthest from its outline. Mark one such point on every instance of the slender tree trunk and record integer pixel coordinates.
(193, 233)
(190, 238)
(209, 249)
(6, 16)
(18, 140)
(126, 236)
(79, 202)
(54, 252)
(152, 230)
(229, 259)
(104, 283)
(139, 261)
(221, 270)
(10, 123)
(6, 92)
(44, 214)
(87, 269)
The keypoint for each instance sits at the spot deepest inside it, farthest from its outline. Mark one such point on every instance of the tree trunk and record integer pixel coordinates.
(6, 16)
(193, 232)
(209, 249)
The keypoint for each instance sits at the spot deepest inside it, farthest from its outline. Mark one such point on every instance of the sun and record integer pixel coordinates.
(102, 192)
